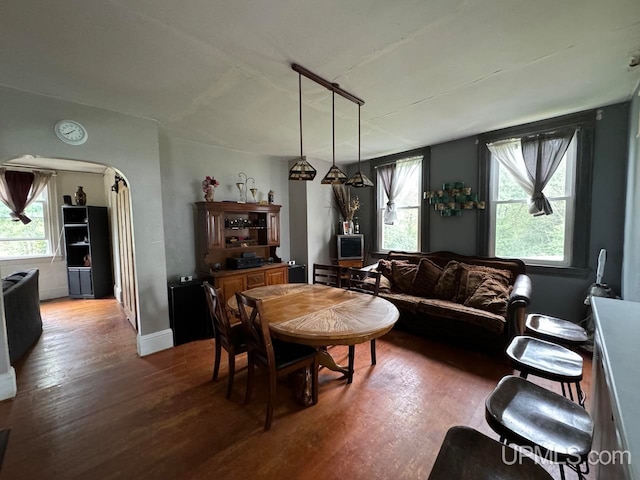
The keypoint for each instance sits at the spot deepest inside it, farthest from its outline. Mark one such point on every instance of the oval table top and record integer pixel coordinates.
(319, 315)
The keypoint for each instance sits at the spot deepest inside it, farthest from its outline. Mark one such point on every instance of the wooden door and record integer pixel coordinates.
(277, 276)
(232, 284)
(128, 295)
(273, 228)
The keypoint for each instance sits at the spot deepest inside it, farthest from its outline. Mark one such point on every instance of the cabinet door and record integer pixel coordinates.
(86, 282)
(74, 282)
(273, 228)
(231, 285)
(215, 225)
(277, 276)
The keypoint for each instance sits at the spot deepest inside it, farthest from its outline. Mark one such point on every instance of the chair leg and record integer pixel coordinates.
(352, 357)
(247, 395)
(314, 382)
(232, 371)
(272, 401)
(216, 362)
(373, 351)
(581, 396)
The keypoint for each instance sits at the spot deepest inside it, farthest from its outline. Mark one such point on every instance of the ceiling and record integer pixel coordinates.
(429, 71)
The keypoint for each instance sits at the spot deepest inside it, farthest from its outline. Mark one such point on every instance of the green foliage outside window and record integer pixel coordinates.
(403, 234)
(18, 239)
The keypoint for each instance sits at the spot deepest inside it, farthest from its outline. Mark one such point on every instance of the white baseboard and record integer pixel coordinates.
(117, 292)
(54, 293)
(155, 342)
(8, 386)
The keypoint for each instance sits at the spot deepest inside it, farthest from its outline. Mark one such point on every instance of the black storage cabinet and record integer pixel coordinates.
(188, 312)
(88, 249)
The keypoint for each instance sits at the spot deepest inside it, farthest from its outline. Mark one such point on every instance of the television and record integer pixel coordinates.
(350, 247)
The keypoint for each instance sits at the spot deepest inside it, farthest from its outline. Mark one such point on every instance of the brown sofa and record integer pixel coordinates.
(484, 309)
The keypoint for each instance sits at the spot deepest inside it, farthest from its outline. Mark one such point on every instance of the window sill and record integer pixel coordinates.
(30, 260)
(574, 272)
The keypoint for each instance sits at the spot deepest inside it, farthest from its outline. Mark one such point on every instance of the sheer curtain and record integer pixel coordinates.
(393, 177)
(19, 189)
(532, 161)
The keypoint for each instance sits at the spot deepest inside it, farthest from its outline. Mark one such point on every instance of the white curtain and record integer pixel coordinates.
(532, 161)
(393, 177)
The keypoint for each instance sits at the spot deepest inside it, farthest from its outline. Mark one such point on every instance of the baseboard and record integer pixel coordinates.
(52, 293)
(155, 342)
(8, 386)
(117, 292)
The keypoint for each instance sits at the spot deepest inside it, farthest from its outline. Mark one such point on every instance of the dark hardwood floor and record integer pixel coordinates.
(89, 407)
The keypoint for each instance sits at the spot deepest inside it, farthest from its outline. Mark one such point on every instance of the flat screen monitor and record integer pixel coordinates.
(350, 247)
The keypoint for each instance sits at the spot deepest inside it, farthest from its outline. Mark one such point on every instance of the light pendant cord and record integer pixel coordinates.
(333, 125)
(300, 106)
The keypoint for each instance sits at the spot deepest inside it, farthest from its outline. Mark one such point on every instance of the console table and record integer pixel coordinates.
(615, 387)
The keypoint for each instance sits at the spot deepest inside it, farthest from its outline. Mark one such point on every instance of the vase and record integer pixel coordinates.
(208, 195)
(81, 197)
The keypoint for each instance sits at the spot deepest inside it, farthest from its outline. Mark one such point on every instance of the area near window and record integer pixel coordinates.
(399, 224)
(516, 233)
(18, 240)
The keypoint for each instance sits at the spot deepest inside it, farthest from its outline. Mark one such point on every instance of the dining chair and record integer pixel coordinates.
(363, 281)
(274, 356)
(231, 337)
(327, 275)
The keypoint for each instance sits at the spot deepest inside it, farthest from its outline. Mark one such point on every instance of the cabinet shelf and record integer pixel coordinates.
(245, 228)
(75, 225)
(79, 244)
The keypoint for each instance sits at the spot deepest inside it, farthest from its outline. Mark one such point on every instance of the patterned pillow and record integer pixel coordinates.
(403, 275)
(449, 281)
(384, 267)
(426, 278)
(471, 276)
(492, 295)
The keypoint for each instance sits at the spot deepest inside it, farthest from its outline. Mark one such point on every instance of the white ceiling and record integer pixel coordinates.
(429, 71)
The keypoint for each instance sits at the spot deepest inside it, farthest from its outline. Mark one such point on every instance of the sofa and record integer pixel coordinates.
(21, 311)
(477, 301)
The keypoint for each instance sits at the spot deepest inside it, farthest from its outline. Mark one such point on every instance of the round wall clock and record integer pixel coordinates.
(71, 132)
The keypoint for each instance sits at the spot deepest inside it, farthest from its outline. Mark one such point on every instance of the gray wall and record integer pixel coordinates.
(127, 143)
(454, 162)
(183, 165)
(555, 295)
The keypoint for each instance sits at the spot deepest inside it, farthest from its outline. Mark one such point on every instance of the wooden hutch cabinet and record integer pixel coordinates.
(225, 230)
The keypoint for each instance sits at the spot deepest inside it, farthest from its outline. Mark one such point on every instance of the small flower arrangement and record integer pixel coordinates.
(208, 185)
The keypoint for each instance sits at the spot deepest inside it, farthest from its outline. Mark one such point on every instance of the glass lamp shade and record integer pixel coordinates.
(359, 180)
(302, 170)
(334, 176)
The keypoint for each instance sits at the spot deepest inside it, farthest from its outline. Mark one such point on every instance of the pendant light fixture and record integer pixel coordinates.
(334, 176)
(359, 179)
(301, 170)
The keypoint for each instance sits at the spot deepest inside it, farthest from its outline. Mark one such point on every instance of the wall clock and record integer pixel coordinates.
(71, 132)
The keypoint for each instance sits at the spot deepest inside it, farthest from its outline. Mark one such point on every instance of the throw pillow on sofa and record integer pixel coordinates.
(447, 286)
(403, 275)
(471, 276)
(426, 278)
(492, 295)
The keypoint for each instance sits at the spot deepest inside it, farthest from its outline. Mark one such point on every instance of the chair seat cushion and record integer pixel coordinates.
(237, 337)
(288, 353)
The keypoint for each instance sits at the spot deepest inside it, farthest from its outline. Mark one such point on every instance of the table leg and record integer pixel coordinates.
(326, 360)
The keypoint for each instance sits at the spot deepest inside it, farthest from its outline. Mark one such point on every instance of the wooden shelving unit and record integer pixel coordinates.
(227, 229)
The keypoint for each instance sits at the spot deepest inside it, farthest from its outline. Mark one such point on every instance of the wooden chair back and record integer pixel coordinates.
(218, 314)
(326, 275)
(256, 330)
(364, 281)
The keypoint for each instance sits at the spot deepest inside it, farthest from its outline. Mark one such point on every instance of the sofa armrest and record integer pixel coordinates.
(518, 301)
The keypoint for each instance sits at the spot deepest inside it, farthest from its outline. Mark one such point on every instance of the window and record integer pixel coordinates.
(18, 240)
(515, 233)
(404, 233)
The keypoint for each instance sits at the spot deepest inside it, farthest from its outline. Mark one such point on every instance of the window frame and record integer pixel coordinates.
(580, 235)
(423, 228)
(50, 222)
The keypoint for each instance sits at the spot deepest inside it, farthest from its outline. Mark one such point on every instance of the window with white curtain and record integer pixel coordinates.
(404, 233)
(34, 239)
(515, 233)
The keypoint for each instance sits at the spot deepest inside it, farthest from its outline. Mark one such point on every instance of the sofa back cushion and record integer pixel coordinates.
(492, 295)
(449, 282)
(472, 276)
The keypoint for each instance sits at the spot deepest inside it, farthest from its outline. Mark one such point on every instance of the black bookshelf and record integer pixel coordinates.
(88, 251)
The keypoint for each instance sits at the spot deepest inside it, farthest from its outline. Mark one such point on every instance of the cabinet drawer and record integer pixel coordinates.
(255, 280)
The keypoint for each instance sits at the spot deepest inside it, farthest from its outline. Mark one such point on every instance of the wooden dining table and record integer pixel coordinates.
(320, 316)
